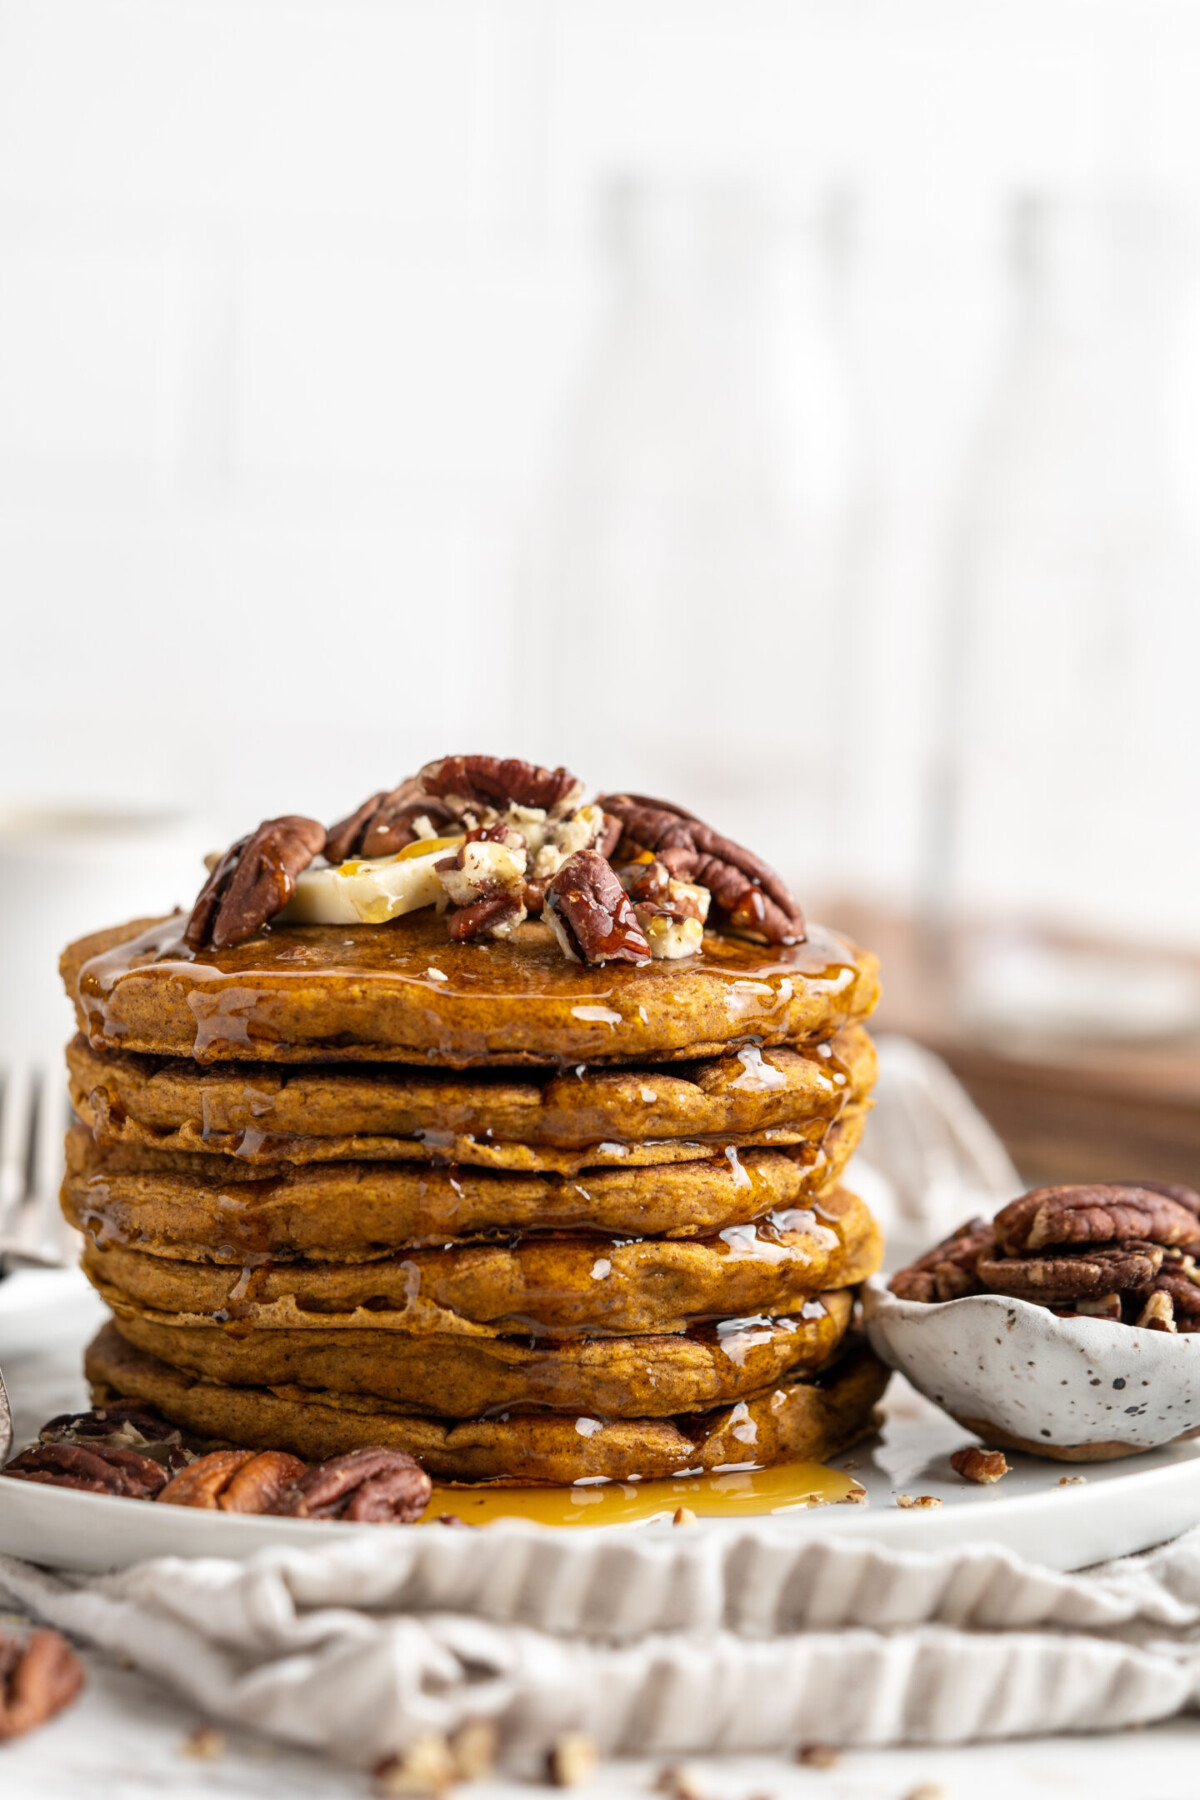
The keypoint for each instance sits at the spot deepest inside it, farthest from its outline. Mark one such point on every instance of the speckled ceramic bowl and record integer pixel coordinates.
(1080, 1390)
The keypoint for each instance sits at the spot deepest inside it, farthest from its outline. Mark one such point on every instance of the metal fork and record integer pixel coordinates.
(34, 1113)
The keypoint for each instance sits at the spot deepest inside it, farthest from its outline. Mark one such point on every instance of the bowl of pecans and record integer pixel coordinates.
(1067, 1326)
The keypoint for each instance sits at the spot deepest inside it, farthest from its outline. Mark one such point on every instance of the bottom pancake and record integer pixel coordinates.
(450, 1375)
(807, 1417)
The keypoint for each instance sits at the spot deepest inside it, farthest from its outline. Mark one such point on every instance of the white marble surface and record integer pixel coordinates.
(123, 1741)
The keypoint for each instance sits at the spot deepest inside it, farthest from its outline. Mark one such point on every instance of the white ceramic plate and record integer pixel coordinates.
(1120, 1507)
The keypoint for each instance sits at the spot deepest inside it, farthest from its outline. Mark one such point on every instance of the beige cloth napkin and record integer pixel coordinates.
(749, 1639)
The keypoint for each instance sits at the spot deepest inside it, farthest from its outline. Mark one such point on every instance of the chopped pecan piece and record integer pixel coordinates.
(39, 1675)
(1050, 1217)
(486, 878)
(948, 1271)
(241, 1481)
(591, 915)
(752, 899)
(670, 912)
(1071, 1274)
(981, 1466)
(371, 1487)
(1158, 1314)
(94, 1469)
(387, 822)
(253, 881)
(466, 782)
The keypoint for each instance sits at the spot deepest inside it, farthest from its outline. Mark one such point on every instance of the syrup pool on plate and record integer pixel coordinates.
(784, 1488)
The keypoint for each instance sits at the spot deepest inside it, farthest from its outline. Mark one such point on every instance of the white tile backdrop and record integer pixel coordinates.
(295, 300)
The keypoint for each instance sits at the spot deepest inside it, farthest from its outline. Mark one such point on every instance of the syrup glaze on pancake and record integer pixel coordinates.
(404, 993)
(583, 1118)
(192, 1207)
(800, 1417)
(541, 1285)
(449, 1375)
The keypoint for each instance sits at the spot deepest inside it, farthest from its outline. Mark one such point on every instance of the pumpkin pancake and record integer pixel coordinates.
(586, 1118)
(217, 1209)
(803, 1416)
(448, 1375)
(404, 992)
(552, 1285)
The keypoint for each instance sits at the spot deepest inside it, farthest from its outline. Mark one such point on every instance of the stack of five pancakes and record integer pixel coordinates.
(530, 1221)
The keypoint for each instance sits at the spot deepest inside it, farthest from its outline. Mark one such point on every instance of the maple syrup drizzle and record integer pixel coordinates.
(782, 1488)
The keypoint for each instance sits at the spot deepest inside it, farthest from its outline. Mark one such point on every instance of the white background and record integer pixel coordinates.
(297, 302)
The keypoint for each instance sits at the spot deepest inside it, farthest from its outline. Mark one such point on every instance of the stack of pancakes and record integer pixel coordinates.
(528, 1220)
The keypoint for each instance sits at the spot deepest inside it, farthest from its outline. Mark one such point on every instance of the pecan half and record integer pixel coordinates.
(591, 915)
(39, 1675)
(1173, 1190)
(1049, 1217)
(95, 1469)
(464, 782)
(949, 1270)
(387, 822)
(253, 881)
(241, 1481)
(1073, 1274)
(122, 1425)
(371, 1487)
(751, 898)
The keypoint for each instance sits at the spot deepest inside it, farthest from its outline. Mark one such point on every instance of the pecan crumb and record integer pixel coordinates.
(1072, 1480)
(683, 1515)
(573, 1760)
(39, 1675)
(426, 1767)
(206, 1744)
(925, 1502)
(982, 1466)
(817, 1756)
(680, 1781)
(856, 1497)
(473, 1748)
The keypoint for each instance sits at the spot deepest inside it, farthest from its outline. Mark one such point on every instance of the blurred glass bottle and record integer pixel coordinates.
(1064, 737)
(686, 615)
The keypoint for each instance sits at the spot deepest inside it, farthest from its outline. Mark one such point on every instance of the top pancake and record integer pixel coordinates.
(404, 992)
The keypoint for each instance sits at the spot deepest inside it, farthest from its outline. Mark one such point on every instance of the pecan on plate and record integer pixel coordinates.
(1073, 1274)
(486, 879)
(121, 1425)
(94, 1469)
(469, 783)
(240, 1481)
(370, 1487)
(591, 915)
(948, 1271)
(387, 822)
(39, 1675)
(751, 898)
(1049, 1218)
(253, 881)
(980, 1466)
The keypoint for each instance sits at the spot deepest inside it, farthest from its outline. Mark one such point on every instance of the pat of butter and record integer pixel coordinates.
(370, 891)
